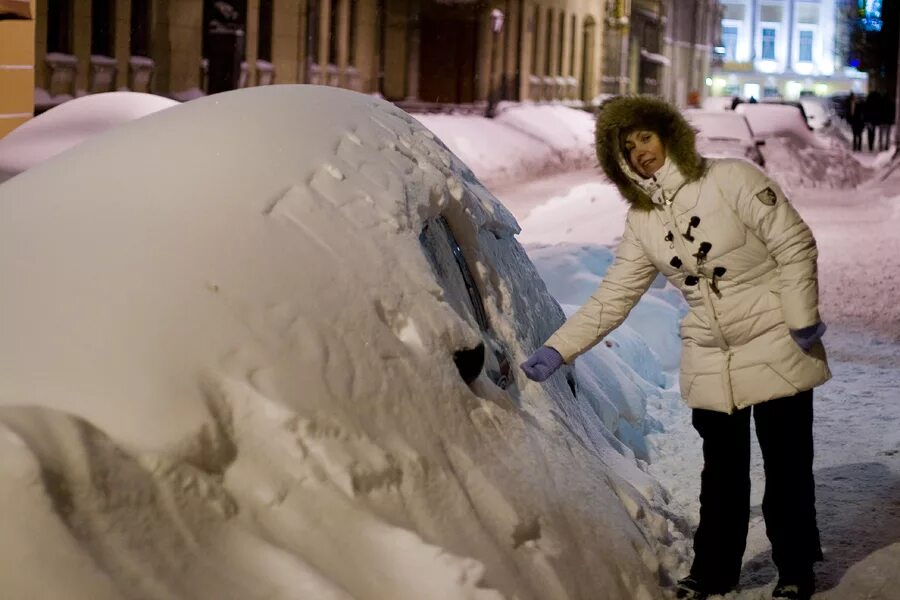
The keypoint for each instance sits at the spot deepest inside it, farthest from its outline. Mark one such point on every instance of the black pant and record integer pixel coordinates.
(857, 140)
(784, 431)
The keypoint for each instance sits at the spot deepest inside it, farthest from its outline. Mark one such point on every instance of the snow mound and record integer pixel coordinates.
(69, 124)
(795, 164)
(232, 375)
(525, 141)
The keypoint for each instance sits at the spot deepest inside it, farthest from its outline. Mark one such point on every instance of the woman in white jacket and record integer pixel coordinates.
(724, 234)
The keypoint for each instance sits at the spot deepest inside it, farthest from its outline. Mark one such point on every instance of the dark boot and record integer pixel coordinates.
(799, 587)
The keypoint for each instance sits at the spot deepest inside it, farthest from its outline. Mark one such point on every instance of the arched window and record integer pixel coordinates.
(572, 46)
(140, 27)
(264, 41)
(560, 43)
(351, 36)
(59, 26)
(103, 27)
(333, 32)
(548, 48)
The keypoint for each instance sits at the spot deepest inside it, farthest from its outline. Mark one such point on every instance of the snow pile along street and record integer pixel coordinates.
(71, 123)
(523, 142)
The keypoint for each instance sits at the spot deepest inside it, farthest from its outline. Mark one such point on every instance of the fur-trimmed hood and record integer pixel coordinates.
(625, 113)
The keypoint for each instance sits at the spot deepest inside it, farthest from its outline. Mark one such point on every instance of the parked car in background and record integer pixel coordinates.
(725, 134)
(798, 105)
(773, 119)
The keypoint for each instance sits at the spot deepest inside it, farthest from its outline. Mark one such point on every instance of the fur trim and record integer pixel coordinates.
(617, 116)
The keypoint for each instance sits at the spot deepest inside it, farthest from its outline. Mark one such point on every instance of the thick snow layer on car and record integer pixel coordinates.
(69, 124)
(228, 372)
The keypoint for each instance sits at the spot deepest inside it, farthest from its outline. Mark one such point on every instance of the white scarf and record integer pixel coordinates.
(662, 185)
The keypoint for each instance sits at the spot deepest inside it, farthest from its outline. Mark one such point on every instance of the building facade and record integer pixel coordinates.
(692, 35)
(782, 49)
(417, 52)
(16, 63)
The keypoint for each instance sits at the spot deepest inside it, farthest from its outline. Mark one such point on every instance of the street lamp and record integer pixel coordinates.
(497, 17)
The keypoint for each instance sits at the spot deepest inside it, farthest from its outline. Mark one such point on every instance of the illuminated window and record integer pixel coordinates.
(806, 44)
(729, 40)
(768, 44)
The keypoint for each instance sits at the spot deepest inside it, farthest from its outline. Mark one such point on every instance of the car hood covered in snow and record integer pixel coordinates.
(227, 371)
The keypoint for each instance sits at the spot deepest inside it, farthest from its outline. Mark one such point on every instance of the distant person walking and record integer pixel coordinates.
(886, 125)
(872, 116)
(856, 119)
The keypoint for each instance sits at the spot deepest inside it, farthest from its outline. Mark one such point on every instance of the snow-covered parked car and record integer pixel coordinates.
(724, 134)
(246, 365)
(69, 124)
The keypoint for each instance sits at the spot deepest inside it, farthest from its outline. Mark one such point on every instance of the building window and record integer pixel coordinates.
(808, 14)
(59, 26)
(535, 20)
(768, 43)
(572, 47)
(103, 27)
(333, 32)
(771, 13)
(140, 27)
(806, 46)
(560, 40)
(264, 42)
(312, 30)
(548, 53)
(729, 40)
(351, 41)
(734, 12)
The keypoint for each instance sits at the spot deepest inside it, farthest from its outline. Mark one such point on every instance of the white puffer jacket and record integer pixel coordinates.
(747, 268)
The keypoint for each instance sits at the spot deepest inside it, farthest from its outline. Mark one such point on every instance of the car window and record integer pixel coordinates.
(448, 262)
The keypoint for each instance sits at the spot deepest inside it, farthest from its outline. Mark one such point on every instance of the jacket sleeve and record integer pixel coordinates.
(764, 209)
(626, 280)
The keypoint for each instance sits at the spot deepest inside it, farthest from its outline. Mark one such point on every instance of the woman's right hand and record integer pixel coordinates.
(542, 364)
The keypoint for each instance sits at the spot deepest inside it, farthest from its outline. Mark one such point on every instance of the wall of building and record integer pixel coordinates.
(16, 66)
(781, 48)
(546, 50)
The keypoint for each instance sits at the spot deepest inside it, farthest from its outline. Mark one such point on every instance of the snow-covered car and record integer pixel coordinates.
(724, 134)
(69, 124)
(258, 346)
(771, 119)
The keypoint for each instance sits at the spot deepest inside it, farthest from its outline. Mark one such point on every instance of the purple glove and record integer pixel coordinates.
(542, 364)
(807, 337)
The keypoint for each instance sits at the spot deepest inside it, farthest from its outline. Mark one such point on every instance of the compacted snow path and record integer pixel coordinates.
(857, 420)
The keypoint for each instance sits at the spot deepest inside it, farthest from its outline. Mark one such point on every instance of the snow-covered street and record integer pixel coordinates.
(857, 421)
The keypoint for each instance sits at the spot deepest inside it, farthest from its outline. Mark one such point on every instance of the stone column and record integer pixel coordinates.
(122, 42)
(287, 49)
(81, 43)
(414, 36)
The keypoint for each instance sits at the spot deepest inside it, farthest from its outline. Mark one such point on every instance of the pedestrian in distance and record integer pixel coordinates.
(855, 109)
(872, 111)
(886, 124)
(726, 236)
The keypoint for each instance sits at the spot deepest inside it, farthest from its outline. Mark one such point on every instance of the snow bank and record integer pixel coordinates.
(232, 375)
(589, 213)
(795, 164)
(69, 124)
(522, 142)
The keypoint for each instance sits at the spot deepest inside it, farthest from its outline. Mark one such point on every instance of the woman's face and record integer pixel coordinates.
(645, 152)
